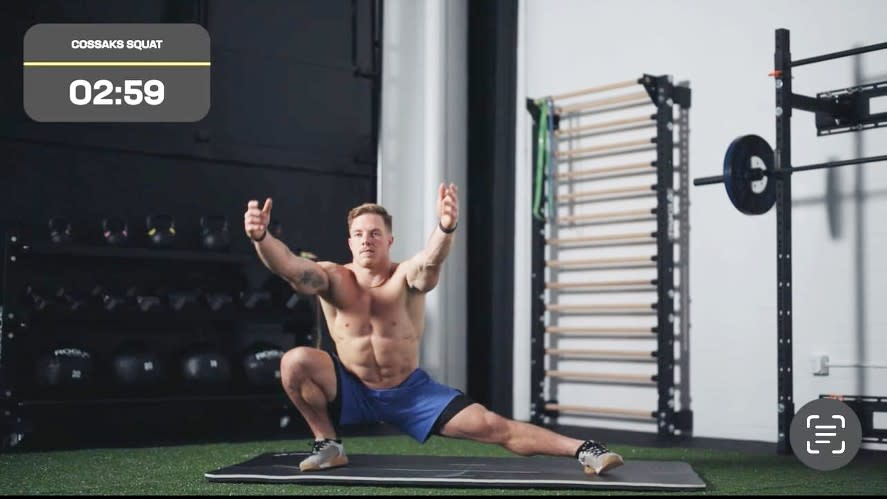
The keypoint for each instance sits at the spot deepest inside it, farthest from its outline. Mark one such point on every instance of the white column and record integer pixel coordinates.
(523, 241)
(423, 143)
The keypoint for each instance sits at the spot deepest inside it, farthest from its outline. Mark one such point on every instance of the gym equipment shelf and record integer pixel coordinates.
(132, 253)
(197, 399)
(173, 305)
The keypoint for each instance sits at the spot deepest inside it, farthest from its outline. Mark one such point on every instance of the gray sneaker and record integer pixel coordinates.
(324, 455)
(597, 458)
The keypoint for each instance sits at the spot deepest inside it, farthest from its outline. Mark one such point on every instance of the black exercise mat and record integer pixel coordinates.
(442, 471)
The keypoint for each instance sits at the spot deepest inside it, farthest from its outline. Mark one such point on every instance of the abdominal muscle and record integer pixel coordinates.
(382, 354)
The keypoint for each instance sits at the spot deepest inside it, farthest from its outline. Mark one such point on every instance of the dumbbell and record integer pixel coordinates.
(256, 299)
(218, 301)
(297, 301)
(261, 364)
(69, 301)
(144, 301)
(183, 300)
(64, 367)
(107, 299)
(36, 299)
(300, 311)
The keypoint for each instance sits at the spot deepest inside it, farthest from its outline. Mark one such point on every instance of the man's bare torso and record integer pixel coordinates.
(376, 329)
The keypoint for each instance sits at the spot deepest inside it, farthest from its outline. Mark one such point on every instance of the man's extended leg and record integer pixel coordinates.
(309, 379)
(477, 423)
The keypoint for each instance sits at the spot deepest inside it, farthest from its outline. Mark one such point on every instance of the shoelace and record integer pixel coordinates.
(594, 448)
(319, 445)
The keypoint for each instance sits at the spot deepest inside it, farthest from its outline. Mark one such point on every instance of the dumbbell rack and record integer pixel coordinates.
(24, 331)
(551, 236)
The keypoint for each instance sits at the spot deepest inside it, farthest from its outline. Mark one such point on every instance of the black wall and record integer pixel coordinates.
(492, 66)
(288, 120)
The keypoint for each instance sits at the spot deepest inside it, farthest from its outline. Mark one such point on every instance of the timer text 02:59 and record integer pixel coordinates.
(105, 93)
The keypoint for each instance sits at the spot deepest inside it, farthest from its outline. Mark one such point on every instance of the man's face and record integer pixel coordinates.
(369, 240)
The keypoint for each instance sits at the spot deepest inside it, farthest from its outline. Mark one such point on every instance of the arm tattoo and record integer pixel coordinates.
(311, 279)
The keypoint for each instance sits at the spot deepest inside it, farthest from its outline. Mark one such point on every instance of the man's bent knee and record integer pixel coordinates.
(497, 426)
(296, 363)
(303, 364)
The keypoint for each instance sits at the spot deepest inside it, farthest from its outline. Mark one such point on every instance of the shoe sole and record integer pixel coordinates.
(610, 463)
(335, 463)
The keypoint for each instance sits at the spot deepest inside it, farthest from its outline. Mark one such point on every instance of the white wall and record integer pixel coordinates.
(422, 143)
(725, 50)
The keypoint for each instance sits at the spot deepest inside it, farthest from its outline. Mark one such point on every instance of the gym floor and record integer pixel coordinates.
(751, 469)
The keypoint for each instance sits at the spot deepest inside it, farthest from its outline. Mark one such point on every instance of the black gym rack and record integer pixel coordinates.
(838, 111)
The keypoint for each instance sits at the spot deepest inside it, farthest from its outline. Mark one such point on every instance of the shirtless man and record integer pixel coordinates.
(375, 312)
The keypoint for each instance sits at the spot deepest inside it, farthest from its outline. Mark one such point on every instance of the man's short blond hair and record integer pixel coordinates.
(370, 208)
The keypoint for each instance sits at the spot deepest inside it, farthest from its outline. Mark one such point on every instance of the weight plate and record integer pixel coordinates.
(745, 154)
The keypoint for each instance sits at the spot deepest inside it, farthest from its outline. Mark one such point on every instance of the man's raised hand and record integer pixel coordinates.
(448, 206)
(255, 220)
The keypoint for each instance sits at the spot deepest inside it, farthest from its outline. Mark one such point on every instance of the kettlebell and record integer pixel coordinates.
(161, 230)
(115, 231)
(214, 233)
(59, 230)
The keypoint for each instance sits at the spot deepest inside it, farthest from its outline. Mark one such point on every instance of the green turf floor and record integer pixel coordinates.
(179, 470)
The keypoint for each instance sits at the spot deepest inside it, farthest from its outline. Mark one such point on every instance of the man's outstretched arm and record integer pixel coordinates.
(423, 270)
(305, 276)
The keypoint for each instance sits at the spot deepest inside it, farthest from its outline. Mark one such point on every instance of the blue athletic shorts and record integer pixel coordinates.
(419, 406)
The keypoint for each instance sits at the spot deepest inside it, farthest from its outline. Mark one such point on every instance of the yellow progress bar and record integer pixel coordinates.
(111, 64)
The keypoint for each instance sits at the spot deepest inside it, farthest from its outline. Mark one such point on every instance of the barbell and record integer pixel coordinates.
(750, 172)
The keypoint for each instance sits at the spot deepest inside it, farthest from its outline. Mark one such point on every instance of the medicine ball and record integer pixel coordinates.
(64, 367)
(214, 233)
(135, 365)
(261, 364)
(206, 367)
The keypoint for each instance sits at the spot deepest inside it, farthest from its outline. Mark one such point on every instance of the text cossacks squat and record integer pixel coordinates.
(116, 72)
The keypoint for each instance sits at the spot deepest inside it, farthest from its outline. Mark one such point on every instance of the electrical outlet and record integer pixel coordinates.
(819, 364)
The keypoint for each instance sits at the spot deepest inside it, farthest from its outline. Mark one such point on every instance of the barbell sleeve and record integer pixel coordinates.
(708, 180)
